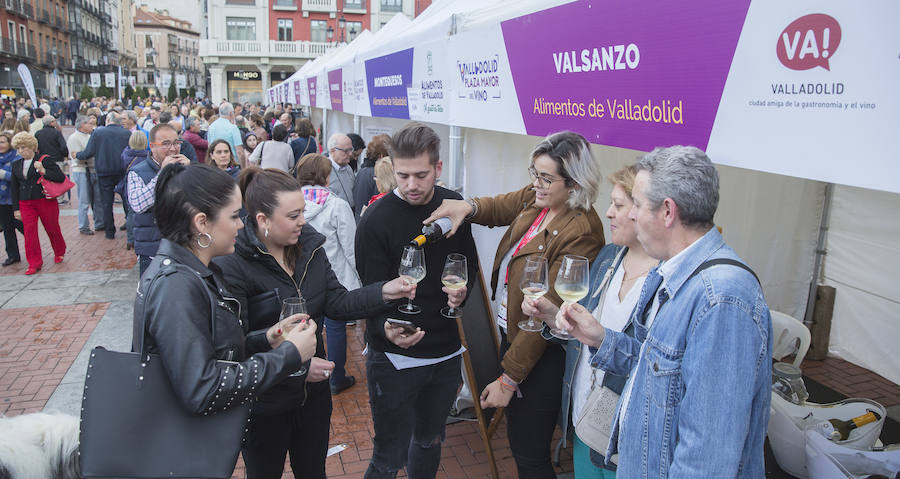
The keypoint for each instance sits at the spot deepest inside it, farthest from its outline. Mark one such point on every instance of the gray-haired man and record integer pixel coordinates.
(85, 176)
(699, 365)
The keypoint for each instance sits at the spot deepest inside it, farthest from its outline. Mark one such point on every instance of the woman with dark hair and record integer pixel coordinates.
(28, 197)
(197, 214)
(305, 143)
(331, 216)
(274, 153)
(221, 157)
(256, 126)
(552, 217)
(8, 222)
(279, 256)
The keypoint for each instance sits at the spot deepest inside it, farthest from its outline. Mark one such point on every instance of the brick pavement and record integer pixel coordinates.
(37, 346)
(852, 380)
(83, 253)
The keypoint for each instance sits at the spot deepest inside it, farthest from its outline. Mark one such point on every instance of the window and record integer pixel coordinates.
(391, 5)
(318, 31)
(353, 30)
(22, 37)
(240, 28)
(148, 41)
(285, 30)
(355, 4)
(285, 3)
(12, 31)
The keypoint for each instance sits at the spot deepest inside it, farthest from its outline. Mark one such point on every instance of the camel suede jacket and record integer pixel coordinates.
(575, 232)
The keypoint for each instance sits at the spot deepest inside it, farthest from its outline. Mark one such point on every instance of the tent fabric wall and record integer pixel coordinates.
(863, 257)
(773, 239)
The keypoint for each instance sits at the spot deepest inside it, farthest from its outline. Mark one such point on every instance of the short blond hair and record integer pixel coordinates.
(384, 175)
(138, 140)
(26, 140)
(624, 177)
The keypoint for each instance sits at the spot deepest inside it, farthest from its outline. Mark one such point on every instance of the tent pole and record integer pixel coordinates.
(820, 254)
(356, 125)
(455, 158)
(325, 127)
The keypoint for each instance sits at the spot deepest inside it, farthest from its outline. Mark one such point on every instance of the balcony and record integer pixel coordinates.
(7, 46)
(358, 6)
(45, 17)
(329, 6)
(29, 10)
(270, 48)
(15, 7)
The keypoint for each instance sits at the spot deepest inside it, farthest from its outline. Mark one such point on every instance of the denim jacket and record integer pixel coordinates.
(701, 374)
(6, 160)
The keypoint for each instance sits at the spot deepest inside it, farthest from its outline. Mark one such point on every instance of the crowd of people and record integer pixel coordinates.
(243, 204)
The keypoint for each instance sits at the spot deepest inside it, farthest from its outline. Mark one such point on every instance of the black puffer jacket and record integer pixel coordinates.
(175, 296)
(251, 271)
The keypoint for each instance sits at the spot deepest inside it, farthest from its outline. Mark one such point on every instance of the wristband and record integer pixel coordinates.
(505, 385)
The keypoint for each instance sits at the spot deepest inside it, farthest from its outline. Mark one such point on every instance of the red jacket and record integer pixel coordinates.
(199, 144)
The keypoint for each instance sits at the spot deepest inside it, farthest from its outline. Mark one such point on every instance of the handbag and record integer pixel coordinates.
(53, 189)
(133, 424)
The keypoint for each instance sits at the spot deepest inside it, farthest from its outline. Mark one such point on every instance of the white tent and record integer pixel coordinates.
(460, 69)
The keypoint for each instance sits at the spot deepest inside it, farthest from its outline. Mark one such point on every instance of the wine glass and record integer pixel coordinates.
(290, 307)
(412, 270)
(571, 285)
(454, 277)
(534, 285)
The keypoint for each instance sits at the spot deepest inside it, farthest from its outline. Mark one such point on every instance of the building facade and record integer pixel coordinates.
(126, 44)
(36, 33)
(167, 52)
(93, 47)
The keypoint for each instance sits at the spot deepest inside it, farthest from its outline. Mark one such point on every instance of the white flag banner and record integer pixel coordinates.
(181, 81)
(95, 80)
(110, 79)
(25, 74)
(166, 80)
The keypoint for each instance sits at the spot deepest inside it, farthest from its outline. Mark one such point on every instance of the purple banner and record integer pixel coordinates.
(335, 89)
(621, 77)
(296, 92)
(311, 86)
(388, 78)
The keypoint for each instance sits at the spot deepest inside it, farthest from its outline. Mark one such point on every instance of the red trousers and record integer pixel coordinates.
(48, 212)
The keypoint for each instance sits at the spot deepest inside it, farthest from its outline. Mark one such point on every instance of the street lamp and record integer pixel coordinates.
(330, 32)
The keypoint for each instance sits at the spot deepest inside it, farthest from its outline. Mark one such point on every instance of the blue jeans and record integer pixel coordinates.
(409, 411)
(88, 198)
(336, 338)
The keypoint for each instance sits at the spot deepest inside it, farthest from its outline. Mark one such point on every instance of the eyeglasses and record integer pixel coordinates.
(545, 180)
(345, 150)
(170, 144)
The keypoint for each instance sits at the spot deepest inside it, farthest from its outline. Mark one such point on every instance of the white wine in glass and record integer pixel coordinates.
(571, 285)
(533, 284)
(454, 277)
(290, 307)
(412, 270)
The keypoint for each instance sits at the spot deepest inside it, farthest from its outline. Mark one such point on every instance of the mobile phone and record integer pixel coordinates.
(407, 326)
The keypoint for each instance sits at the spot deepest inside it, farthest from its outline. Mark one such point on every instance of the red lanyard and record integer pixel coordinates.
(531, 233)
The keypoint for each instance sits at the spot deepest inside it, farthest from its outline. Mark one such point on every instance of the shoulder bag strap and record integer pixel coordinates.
(717, 261)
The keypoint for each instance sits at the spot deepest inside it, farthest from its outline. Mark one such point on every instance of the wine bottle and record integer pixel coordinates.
(843, 428)
(433, 231)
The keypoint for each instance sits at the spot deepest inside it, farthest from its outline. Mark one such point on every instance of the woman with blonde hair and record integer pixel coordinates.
(552, 217)
(616, 278)
(29, 198)
(384, 180)
(21, 125)
(364, 188)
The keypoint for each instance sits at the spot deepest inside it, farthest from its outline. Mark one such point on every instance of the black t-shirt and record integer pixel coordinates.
(386, 227)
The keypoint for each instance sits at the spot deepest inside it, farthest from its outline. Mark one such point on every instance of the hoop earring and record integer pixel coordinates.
(208, 243)
(266, 234)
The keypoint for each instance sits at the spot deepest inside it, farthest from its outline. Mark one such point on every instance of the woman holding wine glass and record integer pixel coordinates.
(279, 257)
(616, 278)
(548, 219)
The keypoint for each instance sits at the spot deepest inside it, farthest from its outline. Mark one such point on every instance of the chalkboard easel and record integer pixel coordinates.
(481, 359)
